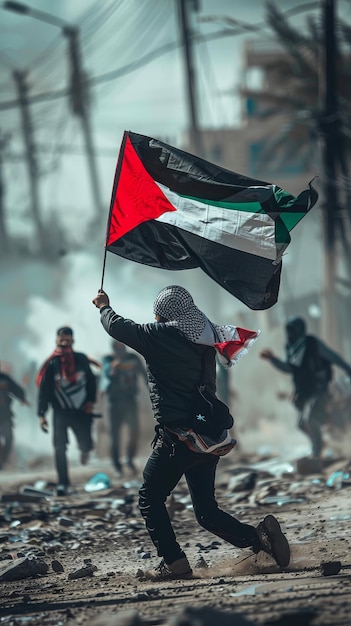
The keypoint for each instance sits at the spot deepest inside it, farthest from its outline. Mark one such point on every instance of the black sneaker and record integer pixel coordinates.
(61, 490)
(177, 570)
(273, 541)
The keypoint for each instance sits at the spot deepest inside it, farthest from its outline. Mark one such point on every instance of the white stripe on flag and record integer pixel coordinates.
(253, 233)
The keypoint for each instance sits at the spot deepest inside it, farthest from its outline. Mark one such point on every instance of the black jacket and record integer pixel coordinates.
(313, 375)
(9, 389)
(315, 372)
(63, 396)
(173, 364)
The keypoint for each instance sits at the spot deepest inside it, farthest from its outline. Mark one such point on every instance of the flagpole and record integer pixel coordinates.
(103, 269)
(114, 189)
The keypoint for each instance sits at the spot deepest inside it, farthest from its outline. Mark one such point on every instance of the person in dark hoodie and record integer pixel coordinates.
(310, 362)
(9, 389)
(67, 383)
(180, 353)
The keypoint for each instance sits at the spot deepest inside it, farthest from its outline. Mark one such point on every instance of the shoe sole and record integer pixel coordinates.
(279, 543)
(160, 579)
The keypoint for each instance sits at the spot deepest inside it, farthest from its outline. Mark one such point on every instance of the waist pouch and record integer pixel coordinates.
(207, 429)
(204, 444)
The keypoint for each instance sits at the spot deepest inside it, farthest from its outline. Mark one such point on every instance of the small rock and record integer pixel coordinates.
(81, 573)
(57, 566)
(65, 521)
(201, 563)
(23, 568)
(330, 568)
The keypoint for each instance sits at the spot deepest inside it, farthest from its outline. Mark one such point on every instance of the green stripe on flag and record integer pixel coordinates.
(285, 201)
(246, 207)
(281, 233)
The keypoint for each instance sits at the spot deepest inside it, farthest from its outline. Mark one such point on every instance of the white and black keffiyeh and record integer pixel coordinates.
(296, 351)
(177, 307)
(296, 347)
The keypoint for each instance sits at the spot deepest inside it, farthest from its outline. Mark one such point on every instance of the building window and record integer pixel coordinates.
(279, 161)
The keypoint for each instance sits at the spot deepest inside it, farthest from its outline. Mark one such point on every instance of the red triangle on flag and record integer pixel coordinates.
(137, 199)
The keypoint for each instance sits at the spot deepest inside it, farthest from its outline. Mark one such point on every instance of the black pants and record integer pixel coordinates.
(162, 472)
(311, 419)
(80, 423)
(120, 413)
(6, 438)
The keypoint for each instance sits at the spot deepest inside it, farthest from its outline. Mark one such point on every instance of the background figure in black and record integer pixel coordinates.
(310, 362)
(119, 386)
(9, 389)
(67, 383)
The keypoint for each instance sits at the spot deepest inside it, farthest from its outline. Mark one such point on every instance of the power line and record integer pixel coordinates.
(134, 65)
(61, 149)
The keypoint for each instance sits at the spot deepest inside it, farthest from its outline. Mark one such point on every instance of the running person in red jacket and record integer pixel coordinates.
(67, 384)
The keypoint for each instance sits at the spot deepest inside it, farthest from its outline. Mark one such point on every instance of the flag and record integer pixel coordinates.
(172, 210)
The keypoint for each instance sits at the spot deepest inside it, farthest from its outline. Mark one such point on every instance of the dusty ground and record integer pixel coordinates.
(105, 527)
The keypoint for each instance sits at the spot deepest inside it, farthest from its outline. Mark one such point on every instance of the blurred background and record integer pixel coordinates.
(261, 88)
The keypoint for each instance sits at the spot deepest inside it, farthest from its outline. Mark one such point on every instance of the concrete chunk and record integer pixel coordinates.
(26, 567)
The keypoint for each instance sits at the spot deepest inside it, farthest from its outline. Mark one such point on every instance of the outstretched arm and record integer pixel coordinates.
(17, 391)
(44, 394)
(118, 327)
(283, 366)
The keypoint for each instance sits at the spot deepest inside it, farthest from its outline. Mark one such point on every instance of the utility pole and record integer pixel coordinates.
(195, 133)
(78, 88)
(80, 106)
(20, 79)
(4, 140)
(330, 135)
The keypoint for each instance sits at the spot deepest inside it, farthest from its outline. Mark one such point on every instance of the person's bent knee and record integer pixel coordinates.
(149, 498)
(206, 518)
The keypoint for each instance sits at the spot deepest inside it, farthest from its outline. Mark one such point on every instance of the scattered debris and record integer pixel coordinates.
(330, 568)
(83, 572)
(34, 491)
(25, 567)
(65, 521)
(338, 479)
(57, 566)
(201, 563)
(98, 482)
